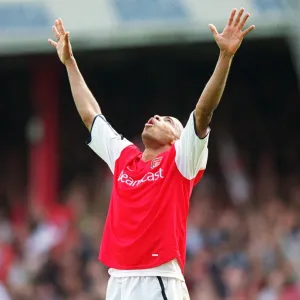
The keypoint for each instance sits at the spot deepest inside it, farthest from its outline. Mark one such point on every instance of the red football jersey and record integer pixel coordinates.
(147, 216)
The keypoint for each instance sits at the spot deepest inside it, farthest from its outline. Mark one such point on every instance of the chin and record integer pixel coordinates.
(147, 135)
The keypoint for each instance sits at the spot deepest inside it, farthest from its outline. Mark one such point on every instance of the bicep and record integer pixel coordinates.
(106, 142)
(202, 121)
(191, 150)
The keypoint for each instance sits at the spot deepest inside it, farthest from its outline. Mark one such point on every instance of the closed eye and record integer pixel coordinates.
(168, 119)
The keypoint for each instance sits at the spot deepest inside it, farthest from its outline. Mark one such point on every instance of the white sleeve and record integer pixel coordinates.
(191, 151)
(106, 142)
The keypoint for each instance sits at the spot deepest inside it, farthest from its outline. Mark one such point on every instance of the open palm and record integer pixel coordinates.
(63, 45)
(233, 34)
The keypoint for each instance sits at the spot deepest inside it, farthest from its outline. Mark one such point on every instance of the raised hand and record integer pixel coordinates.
(233, 34)
(63, 45)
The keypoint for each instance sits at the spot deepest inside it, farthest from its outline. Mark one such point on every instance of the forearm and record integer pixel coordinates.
(212, 93)
(85, 102)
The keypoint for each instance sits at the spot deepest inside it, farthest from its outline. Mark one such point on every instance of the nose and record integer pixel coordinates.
(156, 117)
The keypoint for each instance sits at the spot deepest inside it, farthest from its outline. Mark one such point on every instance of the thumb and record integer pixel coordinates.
(213, 29)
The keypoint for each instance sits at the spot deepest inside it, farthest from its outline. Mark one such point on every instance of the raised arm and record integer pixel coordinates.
(85, 102)
(229, 42)
(104, 140)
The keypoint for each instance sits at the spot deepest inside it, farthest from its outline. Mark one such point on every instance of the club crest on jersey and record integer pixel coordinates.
(155, 162)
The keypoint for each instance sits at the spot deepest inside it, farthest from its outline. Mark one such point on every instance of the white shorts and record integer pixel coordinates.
(146, 288)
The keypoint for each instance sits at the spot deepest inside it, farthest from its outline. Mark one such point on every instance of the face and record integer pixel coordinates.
(162, 130)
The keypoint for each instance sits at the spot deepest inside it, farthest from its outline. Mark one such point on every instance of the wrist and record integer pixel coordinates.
(225, 55)
(70, 62)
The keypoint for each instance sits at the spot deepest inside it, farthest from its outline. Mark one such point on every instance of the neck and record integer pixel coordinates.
(150, 153)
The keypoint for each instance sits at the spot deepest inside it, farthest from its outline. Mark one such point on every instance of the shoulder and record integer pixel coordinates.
(130, 150)
(128, 153)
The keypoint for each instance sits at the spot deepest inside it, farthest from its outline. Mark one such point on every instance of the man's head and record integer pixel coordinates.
(161, 131)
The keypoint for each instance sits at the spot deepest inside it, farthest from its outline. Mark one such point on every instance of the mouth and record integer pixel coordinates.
(150, 123)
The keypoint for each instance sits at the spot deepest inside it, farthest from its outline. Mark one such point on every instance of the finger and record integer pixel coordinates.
(51, 42)
(213, 30)
(62, 25)
(59, 26)
(245, 32)
(238, 18)
(231, 18)
(242, 24)
(55, 32)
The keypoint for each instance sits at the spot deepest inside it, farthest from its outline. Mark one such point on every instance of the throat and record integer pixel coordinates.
(150, 154)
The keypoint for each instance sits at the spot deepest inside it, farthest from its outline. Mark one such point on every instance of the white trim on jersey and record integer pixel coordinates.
(106, 142)
(191, 151)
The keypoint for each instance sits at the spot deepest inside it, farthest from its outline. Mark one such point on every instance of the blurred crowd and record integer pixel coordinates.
(244, 253)
(243, 239)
